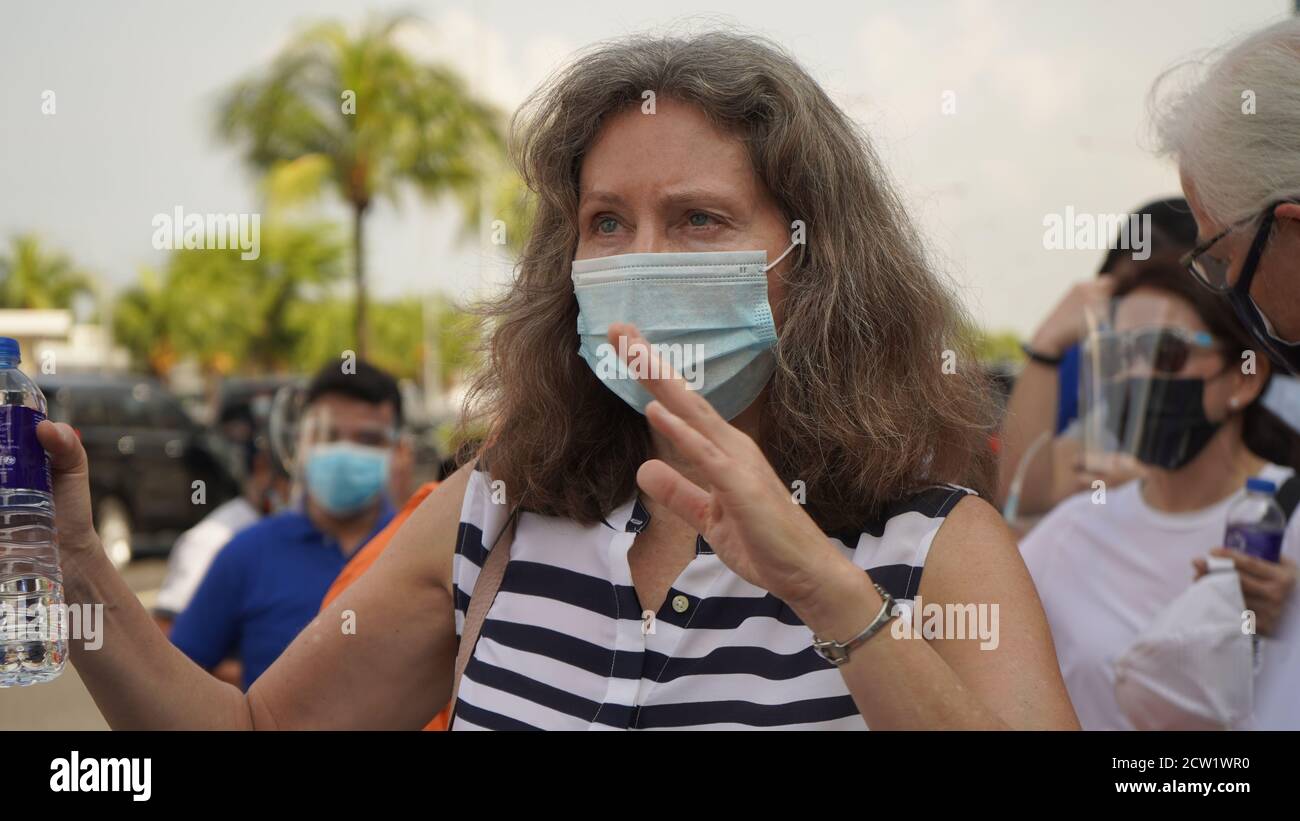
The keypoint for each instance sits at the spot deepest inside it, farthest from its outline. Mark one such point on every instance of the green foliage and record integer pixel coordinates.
(278, 313)
(503, 196)
(377, 116)
(141, 322)
(999, 346)
(355, 114)
(35, 277)
(457, 336)
(399, 336)
(230, 314)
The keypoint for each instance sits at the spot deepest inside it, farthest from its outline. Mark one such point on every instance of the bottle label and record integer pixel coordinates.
(1257, 542)
(24, 465)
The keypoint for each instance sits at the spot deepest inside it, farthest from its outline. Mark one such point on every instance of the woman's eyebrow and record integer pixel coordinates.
(597, 196)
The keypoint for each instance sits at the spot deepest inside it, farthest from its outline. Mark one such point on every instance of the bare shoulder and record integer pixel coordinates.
(975, 546)
(426, 541)
(972, 511)
(974, 561)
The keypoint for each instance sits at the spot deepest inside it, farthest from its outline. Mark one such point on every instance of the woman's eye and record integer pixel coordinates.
(606, 225)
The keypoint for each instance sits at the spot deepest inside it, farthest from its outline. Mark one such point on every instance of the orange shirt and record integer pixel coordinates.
(366, 556)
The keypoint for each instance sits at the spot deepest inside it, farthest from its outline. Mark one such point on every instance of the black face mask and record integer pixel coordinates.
(1285, 354)
(1170, 425)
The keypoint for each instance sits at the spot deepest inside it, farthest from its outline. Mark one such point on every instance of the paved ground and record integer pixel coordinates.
(64, 704)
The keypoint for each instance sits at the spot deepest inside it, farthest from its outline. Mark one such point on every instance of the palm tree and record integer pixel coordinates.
(357, 115)
(226, 312)
(32, 276)
(142, 320)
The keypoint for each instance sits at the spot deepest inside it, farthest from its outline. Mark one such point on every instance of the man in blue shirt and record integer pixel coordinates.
(267, 583)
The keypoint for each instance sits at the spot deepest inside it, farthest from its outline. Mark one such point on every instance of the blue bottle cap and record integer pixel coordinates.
(1261, 485)
(9, 350)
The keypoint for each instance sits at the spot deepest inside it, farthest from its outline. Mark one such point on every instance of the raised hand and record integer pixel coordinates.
(747, 514)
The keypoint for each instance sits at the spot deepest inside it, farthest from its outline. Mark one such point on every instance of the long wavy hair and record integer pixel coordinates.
(861, 407)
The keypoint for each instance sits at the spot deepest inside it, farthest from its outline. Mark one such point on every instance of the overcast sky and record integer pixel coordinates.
(1049, 114)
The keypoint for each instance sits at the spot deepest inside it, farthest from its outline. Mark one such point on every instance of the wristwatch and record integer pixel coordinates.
(837, 652)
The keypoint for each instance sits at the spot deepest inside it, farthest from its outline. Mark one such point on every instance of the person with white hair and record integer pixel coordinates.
(1235, 133)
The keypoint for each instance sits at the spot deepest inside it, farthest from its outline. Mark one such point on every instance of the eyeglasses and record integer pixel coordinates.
(1163, 350)
(1212, 271)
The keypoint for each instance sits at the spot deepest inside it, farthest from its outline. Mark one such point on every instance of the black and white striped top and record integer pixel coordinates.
(563, 646)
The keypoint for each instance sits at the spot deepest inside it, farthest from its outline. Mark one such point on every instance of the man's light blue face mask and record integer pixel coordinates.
(344, 477)
(704, 313)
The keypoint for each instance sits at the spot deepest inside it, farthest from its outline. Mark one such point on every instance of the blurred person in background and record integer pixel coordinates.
(267, 583)
(1234, 131)
(655, 570)
(1044, 401)
(1106, 570)
(265, 489)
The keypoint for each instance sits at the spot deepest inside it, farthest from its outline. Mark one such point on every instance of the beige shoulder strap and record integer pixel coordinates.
(485, 592)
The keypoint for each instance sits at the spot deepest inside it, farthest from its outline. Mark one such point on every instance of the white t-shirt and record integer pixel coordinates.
(196, 548)
(1104, 572)
(1277, 688)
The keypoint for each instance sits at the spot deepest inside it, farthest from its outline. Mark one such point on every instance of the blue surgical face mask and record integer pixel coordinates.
(705, 313)
(344, 477)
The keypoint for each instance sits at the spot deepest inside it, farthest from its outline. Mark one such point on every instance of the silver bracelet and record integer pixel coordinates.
(837, 652)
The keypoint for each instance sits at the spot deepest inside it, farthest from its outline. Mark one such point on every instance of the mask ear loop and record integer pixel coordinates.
(1273, 344)
(1011, 508)
(784, 254)
(1262, 235)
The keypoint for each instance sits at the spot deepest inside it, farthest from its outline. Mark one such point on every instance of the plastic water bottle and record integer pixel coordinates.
(1256, 523)
(33, 646)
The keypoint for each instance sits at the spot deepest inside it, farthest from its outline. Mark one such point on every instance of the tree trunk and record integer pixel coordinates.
(359, 272)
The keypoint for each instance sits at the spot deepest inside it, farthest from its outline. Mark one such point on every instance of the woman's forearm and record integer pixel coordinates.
(896, 684)
(1031, 412)
(137, 678)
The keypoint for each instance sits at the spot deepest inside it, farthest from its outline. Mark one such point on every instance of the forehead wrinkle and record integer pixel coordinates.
(669, 197)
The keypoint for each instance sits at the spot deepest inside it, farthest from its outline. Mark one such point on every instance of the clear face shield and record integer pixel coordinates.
(1142, 383)
(1050, 467)
(1143, 369)
(244, 435)
(282, 429)
(339, 460)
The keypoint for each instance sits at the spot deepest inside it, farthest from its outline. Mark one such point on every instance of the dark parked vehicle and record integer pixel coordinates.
(145, 454)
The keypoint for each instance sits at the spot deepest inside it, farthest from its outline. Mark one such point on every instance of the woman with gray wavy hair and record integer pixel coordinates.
(730, 424)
